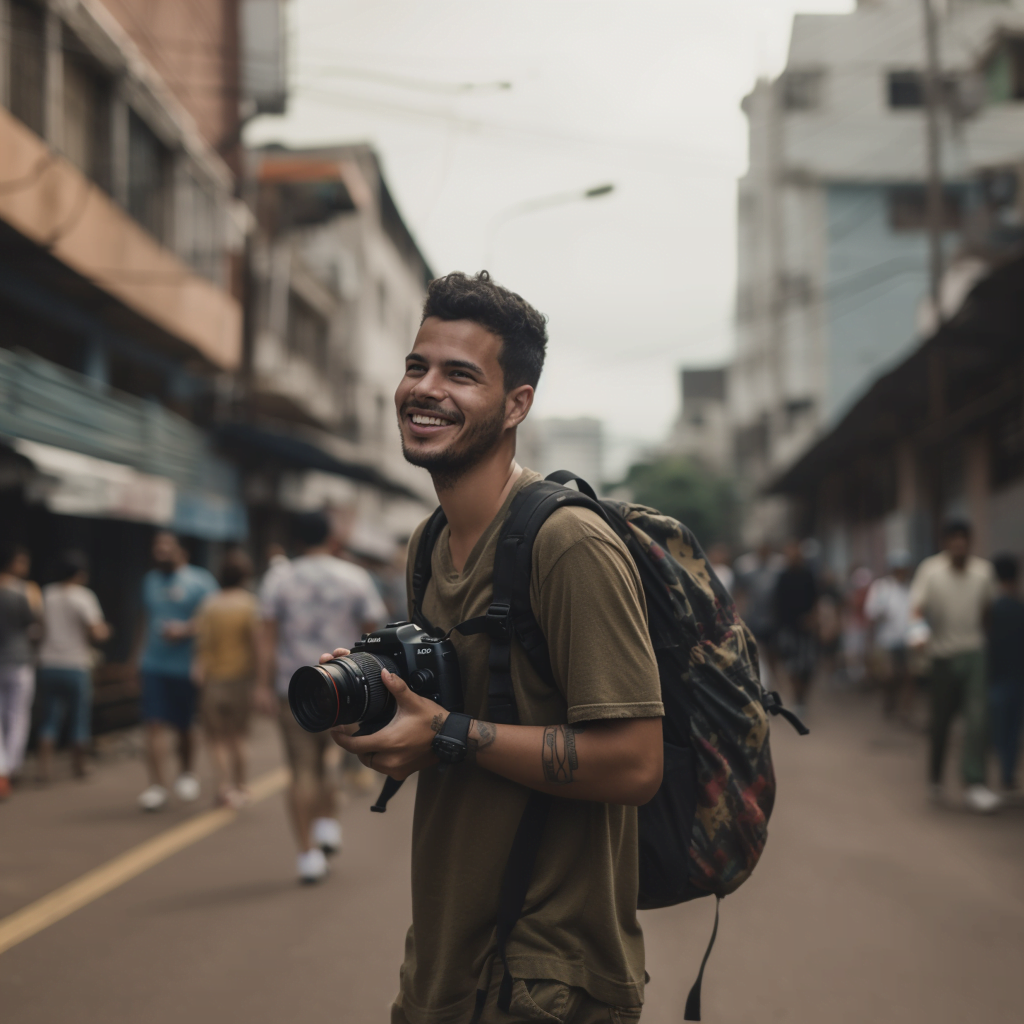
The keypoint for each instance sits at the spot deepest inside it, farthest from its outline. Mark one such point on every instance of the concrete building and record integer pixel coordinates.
(120, 284)
(338, 284)
(703, 429)
(550, 444)
(832, 246)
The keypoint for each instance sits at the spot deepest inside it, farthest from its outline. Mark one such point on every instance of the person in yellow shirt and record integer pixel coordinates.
(225, 670)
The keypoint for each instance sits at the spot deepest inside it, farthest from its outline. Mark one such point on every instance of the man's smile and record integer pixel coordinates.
(426, 423)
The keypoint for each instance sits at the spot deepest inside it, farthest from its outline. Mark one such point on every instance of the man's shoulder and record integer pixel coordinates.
(567, 527)
(197, 576)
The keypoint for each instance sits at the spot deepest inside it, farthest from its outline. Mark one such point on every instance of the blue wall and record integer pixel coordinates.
(875, 278)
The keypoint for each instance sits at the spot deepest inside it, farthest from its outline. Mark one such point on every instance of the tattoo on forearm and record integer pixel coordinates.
(558, 754)
(436, 722)
(485, 735)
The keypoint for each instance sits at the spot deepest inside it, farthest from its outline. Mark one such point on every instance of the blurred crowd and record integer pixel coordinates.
(210, 650)
(946, 634)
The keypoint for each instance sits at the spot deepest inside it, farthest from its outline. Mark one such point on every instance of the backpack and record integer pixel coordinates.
(705, 829)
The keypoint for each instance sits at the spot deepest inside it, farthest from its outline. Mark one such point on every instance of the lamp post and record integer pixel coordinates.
(501, 218)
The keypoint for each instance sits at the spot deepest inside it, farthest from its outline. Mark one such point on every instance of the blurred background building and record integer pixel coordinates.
(193, 337)
(833, 257)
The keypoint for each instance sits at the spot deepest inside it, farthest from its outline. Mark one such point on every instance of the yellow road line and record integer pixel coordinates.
(24, 923)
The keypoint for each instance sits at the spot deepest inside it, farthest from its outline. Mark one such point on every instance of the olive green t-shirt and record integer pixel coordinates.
(579, 924)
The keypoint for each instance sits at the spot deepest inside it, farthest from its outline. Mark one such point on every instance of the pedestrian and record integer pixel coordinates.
(315, 602)
(795, 603)
(73, 623)
(757, 572)
(171, 594)
(591, 735)
(887, 611)
(720, 560)
(952, 593)
(855, 625)
(21, 612)
(1006, 668)
(225, 670)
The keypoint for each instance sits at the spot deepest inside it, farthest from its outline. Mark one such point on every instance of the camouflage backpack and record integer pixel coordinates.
(704, 831)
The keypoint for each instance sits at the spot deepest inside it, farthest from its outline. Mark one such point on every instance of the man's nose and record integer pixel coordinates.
(430, 385)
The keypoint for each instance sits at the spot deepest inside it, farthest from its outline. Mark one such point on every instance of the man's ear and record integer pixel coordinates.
(517, 404)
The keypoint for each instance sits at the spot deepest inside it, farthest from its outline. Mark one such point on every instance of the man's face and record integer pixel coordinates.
(452, 405)
(958, 546)
(166, 552)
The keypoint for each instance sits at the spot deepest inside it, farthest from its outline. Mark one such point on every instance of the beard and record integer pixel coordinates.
(449, 465)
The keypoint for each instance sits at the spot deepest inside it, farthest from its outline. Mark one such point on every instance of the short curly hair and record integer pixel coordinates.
(522, 329)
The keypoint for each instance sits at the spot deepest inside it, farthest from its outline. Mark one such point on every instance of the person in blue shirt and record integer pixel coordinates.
(171, 594)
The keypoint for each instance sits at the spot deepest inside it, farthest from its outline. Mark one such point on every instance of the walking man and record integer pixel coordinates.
(952, 593)
(590, 735)
(171, 593)
(307, 605)
(21, 609)
(887, 609)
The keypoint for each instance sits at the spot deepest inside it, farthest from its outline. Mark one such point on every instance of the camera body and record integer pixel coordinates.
(349, 689)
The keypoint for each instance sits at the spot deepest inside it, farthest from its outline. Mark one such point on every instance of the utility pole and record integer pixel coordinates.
(936, 213)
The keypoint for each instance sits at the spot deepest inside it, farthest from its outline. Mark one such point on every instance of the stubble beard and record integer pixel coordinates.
(449, 465)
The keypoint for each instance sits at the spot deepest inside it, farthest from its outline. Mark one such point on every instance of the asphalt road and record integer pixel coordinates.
(869, 904)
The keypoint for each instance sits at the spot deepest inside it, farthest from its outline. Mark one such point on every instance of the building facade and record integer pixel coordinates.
(832, 239)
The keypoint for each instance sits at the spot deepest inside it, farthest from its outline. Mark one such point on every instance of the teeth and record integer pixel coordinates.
(428, 421)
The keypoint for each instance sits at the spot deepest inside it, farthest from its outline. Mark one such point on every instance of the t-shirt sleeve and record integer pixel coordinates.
(590, 605)
(89, 607)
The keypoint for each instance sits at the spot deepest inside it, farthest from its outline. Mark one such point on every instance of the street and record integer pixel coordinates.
(868, 904)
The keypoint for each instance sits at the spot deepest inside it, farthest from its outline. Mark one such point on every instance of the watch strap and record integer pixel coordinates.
(455, 729)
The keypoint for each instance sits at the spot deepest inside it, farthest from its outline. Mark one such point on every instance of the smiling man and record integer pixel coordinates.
(592, 737)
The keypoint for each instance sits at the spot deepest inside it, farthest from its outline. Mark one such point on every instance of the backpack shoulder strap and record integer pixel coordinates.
(421, 567)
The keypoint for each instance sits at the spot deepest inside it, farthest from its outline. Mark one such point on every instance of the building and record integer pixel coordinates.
(832, 241)
(338, 284)
(702, 430)
(547, 445)
(121, 269)
(940, 435)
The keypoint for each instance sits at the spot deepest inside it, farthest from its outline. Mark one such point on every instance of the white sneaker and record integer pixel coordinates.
(312, 866)
(327, 835)
(981, 799)
(186, 787)
(153, 798)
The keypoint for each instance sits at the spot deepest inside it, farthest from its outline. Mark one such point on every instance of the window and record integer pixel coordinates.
(86, 113)
(147, 175)
(1004, 71)
(28, 64)
(198, 236)
(906, 89)
(908, 208)
(801, 90)
(307, 332)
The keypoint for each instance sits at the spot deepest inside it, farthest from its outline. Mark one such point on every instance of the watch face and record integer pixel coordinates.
(448, 750)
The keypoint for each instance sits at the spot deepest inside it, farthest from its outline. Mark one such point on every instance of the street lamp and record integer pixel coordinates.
(532, 205)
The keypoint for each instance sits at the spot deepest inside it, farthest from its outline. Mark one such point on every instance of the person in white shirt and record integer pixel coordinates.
(314, 603)
(73, 622)
(887, 609)
(952, 592)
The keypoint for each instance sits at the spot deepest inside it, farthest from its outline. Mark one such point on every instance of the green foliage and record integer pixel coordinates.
(688, 491)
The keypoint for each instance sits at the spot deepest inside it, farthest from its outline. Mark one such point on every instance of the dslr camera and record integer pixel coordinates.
(350, 689)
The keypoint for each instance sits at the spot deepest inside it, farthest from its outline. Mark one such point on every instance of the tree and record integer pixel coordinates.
(689, 491)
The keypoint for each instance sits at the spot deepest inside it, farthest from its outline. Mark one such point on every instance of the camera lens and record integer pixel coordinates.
(341, 692)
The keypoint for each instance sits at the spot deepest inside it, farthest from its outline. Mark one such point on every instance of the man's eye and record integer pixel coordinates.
(414, 369)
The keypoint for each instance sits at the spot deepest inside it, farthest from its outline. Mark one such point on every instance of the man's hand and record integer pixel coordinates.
(177, 629)
(402, 747)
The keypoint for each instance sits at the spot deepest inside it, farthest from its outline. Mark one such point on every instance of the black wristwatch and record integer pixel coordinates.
(451, 743)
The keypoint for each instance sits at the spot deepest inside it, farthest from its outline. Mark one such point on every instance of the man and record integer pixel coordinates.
(312, 602)
(593, 738)
(1006, 669)
(887, 610)
(951, 593)
(21, 610)
(795, 602)
(171, 593)
(757, 572)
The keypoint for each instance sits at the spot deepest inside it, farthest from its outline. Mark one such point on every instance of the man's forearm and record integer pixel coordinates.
(617, 761)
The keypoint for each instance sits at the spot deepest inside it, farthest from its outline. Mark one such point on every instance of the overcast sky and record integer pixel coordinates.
(643, 94)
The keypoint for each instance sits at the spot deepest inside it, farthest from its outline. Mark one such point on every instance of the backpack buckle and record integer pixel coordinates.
(498, 618)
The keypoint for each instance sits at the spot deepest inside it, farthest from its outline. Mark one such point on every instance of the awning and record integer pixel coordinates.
(72, 484)
(295, 452)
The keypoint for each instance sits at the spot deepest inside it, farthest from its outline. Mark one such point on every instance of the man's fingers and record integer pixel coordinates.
(339, 652)
(396, 684)
(355, 744)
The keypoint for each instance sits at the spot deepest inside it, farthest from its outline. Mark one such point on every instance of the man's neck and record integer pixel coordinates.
(473, 501)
